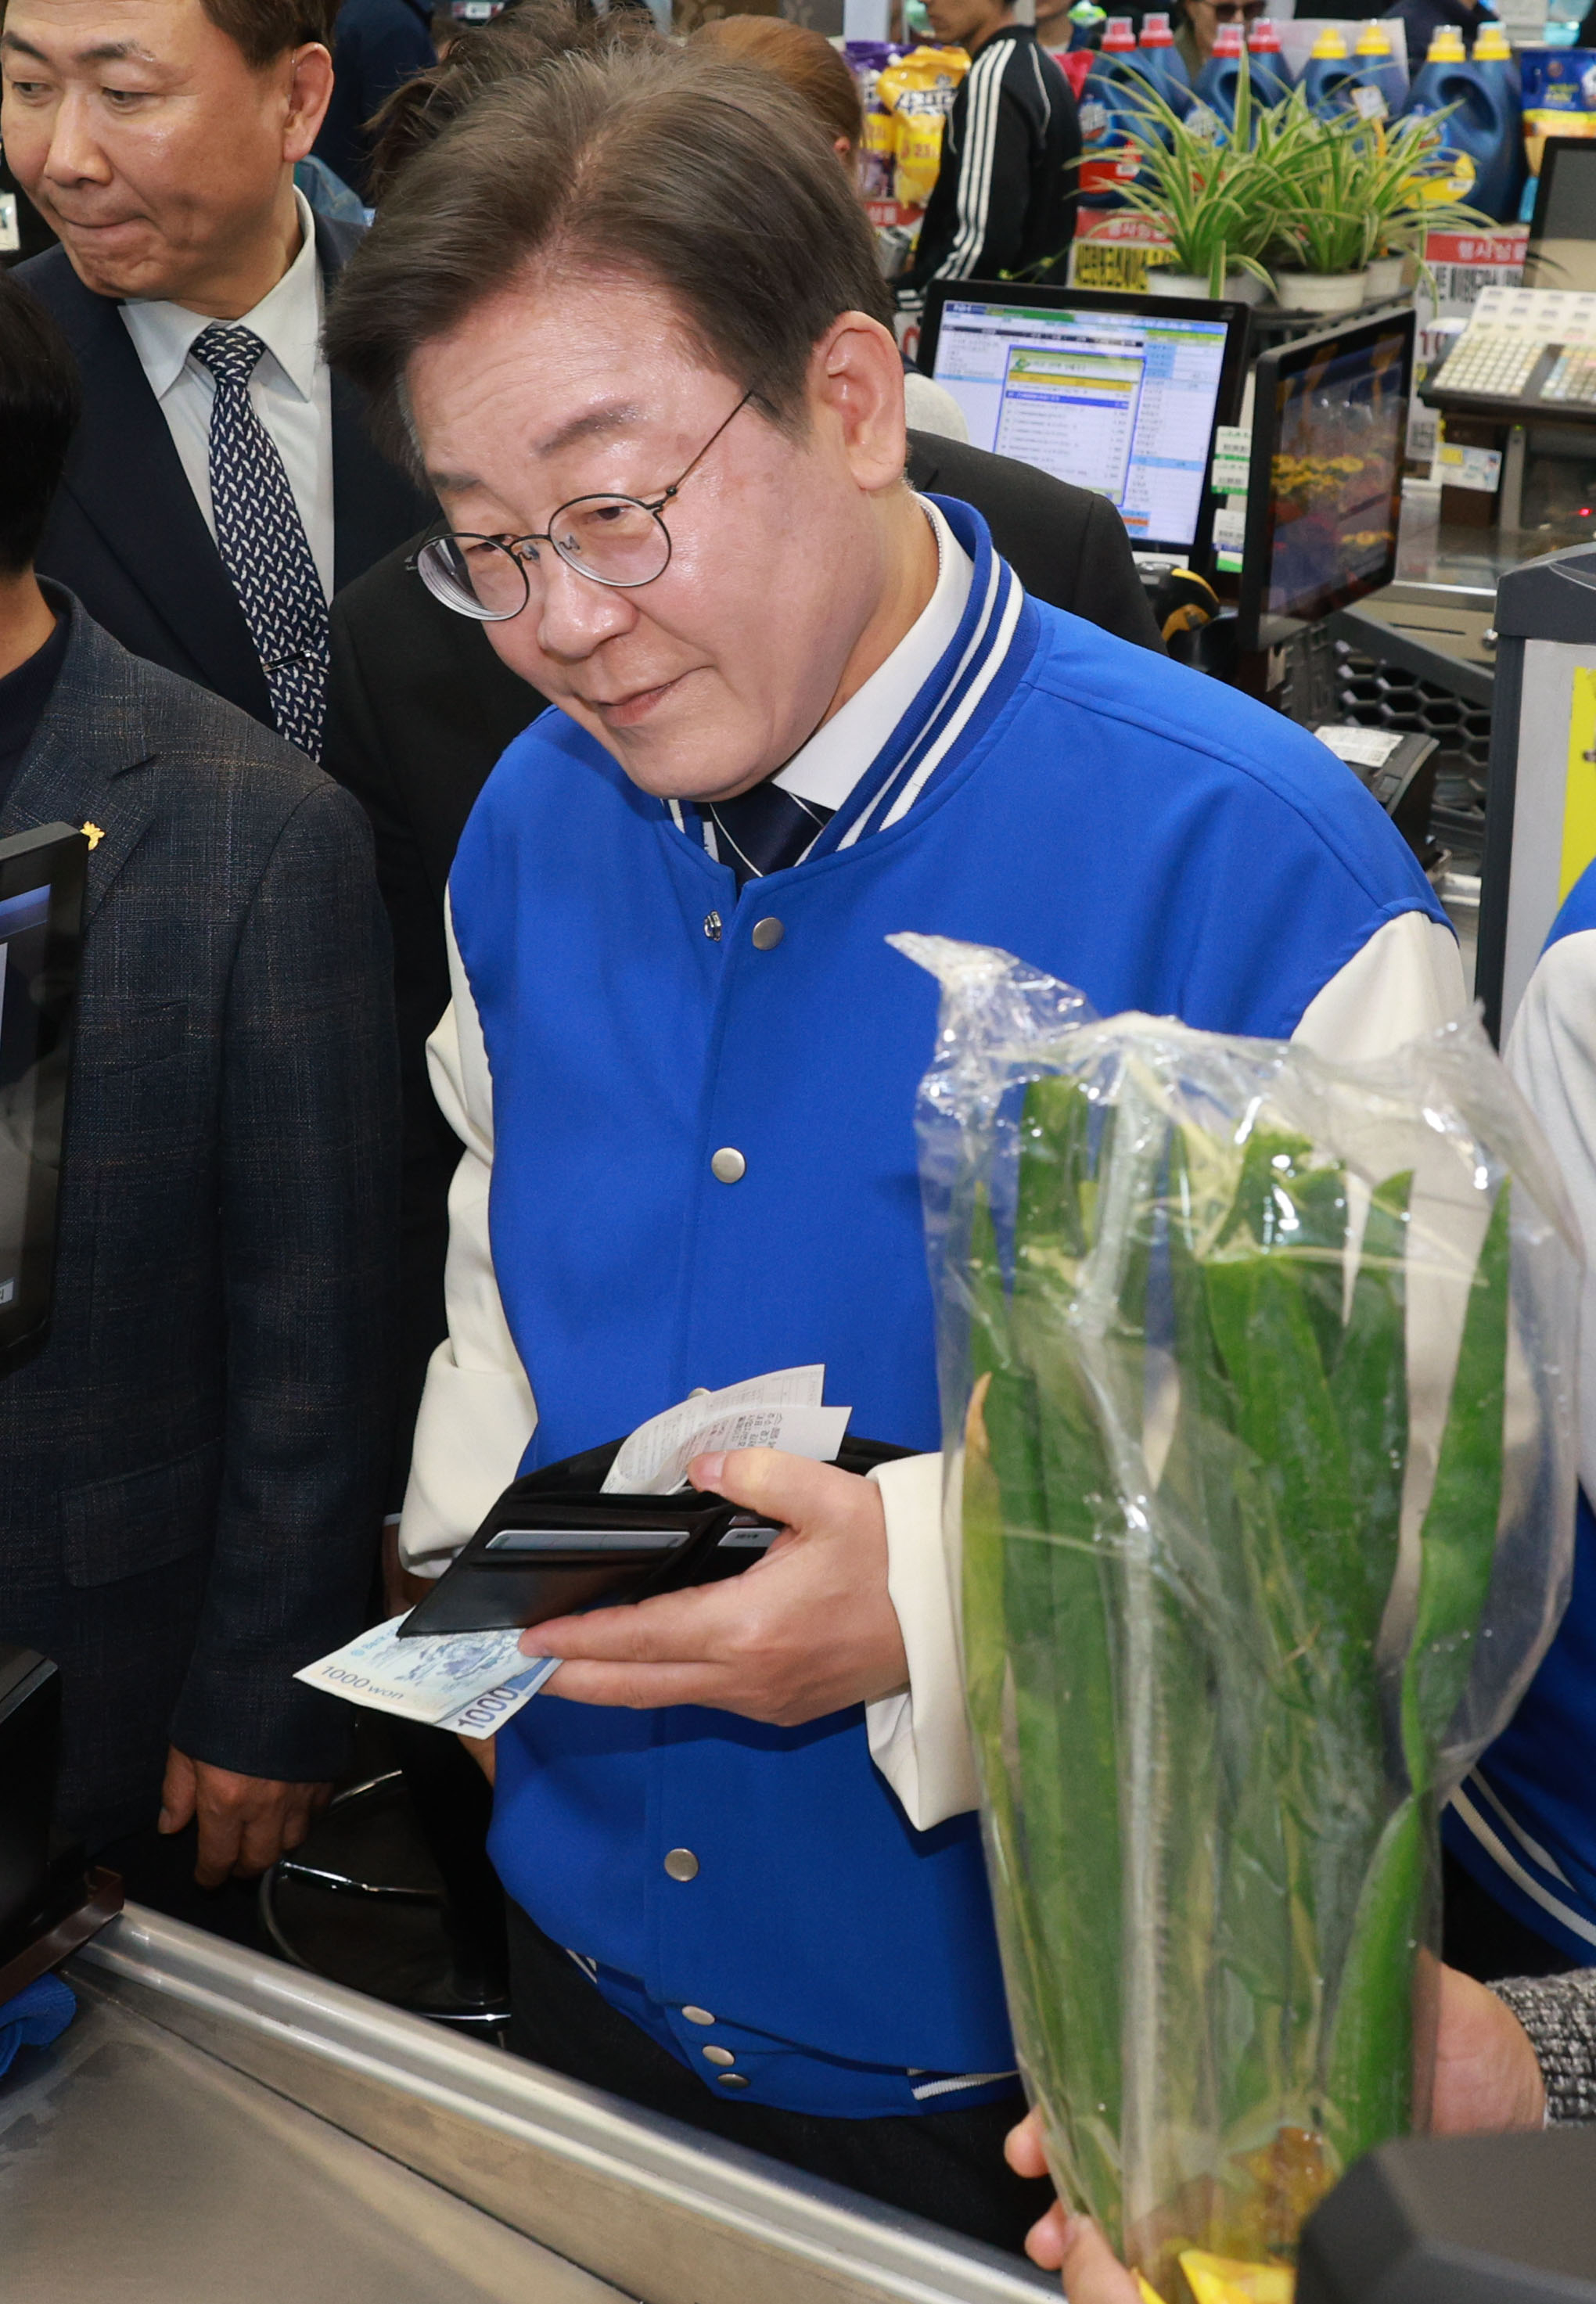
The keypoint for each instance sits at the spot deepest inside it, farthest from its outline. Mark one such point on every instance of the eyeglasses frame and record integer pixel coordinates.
(512, 546)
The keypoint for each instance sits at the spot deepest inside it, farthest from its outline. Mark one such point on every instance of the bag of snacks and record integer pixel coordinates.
(918, 92)
(1257, 1384)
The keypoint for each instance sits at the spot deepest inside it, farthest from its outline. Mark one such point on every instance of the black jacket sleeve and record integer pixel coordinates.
(974, 226)
(308, 1188)
(419, 710)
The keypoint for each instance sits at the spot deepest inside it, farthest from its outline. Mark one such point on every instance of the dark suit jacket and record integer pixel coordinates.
(190, 1469)
(125, 533)
(419, 708)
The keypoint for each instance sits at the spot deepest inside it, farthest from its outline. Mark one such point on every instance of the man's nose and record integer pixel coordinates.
(75, 155)
(574, 614)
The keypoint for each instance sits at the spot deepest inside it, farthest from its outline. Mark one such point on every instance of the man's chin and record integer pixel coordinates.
(112, 264)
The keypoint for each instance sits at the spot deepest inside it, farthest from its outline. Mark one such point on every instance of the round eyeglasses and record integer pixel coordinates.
(620, 541)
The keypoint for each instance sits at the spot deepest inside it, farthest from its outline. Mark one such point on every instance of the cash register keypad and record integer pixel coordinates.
(1495, 362)
(1574, 376)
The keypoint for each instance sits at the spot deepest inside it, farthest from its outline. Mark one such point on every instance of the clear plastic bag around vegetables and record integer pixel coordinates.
(1257, 1378)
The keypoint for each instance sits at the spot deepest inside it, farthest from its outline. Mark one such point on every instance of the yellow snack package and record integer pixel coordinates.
(918, 92)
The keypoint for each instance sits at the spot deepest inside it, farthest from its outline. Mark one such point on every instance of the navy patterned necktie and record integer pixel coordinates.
(763, 830)
(263, 543)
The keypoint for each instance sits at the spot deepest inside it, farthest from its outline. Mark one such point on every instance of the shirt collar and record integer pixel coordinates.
(287, 320)
(828, 766)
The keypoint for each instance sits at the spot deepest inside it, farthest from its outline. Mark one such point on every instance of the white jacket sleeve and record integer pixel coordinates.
(1551, 1054)
(477, 1410)
(1406, 979)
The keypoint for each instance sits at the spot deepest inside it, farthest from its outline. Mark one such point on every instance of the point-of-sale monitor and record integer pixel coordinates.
(41, 911)
(1324, 486)
(1119, 393)
(1562, 249)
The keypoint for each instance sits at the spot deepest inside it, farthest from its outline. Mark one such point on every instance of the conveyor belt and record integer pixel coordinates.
(192, 2116)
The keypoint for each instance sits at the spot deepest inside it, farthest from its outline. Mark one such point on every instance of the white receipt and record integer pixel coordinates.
(780, 1411)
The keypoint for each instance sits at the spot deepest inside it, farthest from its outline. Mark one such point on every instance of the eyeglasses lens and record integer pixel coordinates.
(612, 539)
(472, 575)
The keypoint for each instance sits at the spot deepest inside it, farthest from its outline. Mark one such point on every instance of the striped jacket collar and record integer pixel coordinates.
(971, 674)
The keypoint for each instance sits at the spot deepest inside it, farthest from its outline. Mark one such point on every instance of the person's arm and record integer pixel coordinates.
(978, 233)
(1551, 1055)
(477, 1411)
(360, 752)
(306, 1179)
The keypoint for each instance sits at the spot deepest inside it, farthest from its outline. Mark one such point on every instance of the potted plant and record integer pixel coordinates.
(1408, 191)
(1326, 231)
(1208, 195)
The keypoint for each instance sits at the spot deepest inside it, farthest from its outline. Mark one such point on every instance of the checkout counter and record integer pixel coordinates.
(218, 2125)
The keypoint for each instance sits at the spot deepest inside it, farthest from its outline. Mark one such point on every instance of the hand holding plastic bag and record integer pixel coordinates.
(1257, 1384)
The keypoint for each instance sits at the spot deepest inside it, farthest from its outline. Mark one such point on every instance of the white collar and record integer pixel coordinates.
(287, 320)
(826, 768)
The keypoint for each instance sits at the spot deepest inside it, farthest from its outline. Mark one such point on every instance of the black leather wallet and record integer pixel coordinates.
(553, 1544)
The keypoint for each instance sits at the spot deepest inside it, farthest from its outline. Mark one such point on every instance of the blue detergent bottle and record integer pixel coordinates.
(1217, 81)
(1272, 78)
(1161, 64)
(1483, 133)
(1376, 67)
(1499, 187)
(1326, 72)
(1108, 108)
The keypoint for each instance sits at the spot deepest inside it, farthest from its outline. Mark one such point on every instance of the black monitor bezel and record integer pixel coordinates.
(1199, 553)
(1302, 352)
(1552, 150)
(53, 856)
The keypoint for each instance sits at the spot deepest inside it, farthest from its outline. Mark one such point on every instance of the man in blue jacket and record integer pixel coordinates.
(628, 316)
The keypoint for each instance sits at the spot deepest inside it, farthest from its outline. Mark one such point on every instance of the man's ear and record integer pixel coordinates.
(856, 388)
(309, 91)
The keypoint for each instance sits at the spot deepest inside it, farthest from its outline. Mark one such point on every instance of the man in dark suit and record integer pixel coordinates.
(190, 1469)
(420, 707)
(221, 488)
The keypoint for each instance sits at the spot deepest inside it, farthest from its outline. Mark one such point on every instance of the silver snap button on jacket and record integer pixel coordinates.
(731, 2079)
(698, 2015)
(768, 934)
(713, 2056)
(727, 1166)
(682, 1864)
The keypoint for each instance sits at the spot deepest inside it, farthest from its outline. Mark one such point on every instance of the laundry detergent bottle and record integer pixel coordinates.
(1500, 186)
(1271, 81)
(1217, 81)
(1326, 72)
(1483, 135)
(1375, 67)
(1161, 64)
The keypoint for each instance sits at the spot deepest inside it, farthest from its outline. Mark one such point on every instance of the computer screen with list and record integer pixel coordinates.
(1122, 402)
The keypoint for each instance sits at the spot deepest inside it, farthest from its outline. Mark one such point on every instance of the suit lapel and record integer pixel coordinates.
(93, 730)
(126, 478)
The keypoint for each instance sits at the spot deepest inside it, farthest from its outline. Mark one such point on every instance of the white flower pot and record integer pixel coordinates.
(1240, 287)
(1320, 292)
(1383, 279)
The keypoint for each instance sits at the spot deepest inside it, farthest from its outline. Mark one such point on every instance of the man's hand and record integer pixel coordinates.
(1486, 2080)
(808, 1630)
(245, 1822)
(1486, 2076)
(1061, 2242)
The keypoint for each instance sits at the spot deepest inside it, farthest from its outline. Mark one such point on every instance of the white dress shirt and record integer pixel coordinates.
(291, 390)
(478, 1411)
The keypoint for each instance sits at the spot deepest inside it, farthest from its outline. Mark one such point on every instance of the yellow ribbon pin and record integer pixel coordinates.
(93, 835)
